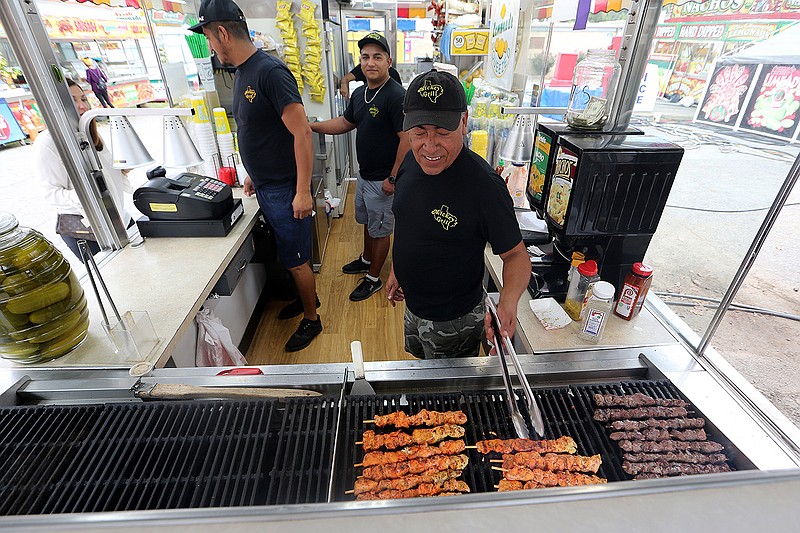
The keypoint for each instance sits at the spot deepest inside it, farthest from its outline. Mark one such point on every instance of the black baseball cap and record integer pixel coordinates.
(434, 98)
(374, 37)
(216, 11)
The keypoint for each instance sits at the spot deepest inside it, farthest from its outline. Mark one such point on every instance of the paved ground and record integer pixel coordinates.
(719, 200)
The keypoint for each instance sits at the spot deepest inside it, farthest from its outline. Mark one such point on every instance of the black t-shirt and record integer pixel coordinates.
(359, 74)
(442, 225)
(263, 87)
(377, 124)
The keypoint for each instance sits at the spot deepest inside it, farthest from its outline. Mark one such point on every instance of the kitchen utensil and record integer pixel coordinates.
(180, 391)
(241, 371)
(361, 386)
(505, 349)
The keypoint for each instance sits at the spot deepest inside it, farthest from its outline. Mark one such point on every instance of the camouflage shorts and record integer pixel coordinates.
(426, 339)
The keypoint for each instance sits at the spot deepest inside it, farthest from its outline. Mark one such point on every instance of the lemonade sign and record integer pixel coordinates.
(503, 44)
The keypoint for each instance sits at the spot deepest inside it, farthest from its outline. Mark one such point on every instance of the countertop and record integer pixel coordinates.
(643, 330)
(170, 278)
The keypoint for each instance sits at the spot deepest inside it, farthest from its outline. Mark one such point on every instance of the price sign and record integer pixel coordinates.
(470, 42)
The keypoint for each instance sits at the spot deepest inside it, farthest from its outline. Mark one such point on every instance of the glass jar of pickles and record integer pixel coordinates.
(43, 311)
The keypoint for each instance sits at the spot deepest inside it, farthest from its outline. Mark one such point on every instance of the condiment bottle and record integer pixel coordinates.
(578, 285)
(634, 290)
(598, 308)
(577, 260)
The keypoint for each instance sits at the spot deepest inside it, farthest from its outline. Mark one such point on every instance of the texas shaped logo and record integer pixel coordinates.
(250, 94)
(431, 91)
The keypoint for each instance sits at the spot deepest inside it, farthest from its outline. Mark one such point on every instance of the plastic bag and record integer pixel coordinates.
(214, 344)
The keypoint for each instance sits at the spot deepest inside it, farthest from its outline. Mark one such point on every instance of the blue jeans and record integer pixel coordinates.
(293, 235)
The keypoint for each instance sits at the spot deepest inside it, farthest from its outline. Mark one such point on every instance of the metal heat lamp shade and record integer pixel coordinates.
(519, 144)
(126, 147)
(179, 150)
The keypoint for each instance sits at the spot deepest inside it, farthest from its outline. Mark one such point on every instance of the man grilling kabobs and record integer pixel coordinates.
(448, 205)
(376, 112)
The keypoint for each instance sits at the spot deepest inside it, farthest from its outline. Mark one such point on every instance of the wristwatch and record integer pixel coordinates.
(392, 179)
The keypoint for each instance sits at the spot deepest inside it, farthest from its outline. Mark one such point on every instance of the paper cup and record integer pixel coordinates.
(221, 121)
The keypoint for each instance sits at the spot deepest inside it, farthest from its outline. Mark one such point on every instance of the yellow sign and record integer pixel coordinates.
(164, 208)
(470, 42)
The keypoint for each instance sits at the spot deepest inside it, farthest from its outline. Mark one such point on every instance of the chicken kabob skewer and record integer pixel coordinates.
(421, 451)
(397, 439)
(400, 419)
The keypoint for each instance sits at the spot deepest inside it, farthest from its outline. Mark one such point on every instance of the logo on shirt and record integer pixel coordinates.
(374, 111)
(444, 217)
(431, 91)
(250, 94)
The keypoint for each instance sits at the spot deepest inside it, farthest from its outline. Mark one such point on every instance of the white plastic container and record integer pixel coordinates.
(598, 309)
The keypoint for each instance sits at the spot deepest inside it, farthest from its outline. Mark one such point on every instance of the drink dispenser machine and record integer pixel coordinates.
(603, 196)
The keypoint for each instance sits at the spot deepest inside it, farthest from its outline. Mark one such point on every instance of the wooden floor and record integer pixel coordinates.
(374, 322)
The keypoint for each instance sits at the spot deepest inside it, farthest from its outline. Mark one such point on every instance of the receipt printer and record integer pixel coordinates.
(186, 205)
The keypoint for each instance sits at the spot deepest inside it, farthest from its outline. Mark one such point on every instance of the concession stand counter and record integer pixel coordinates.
(81, 448)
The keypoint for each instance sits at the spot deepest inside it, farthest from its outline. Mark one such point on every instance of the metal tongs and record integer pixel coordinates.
(88, 261)
(505, 349)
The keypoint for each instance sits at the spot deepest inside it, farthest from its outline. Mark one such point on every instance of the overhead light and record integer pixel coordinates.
(179, 150)
(127, 149)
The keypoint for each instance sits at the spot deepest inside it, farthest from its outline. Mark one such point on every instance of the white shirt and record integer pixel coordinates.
(57, 187)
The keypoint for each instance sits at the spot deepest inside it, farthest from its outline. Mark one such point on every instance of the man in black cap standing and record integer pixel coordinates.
(376, 110)
(448, 205)
(276, 148)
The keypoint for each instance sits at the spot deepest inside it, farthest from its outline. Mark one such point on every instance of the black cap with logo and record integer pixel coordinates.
(374, 37)
(216, 11)
(434, 98)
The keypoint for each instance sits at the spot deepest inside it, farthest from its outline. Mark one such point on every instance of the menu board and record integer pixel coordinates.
(724, 97)
(773, 107)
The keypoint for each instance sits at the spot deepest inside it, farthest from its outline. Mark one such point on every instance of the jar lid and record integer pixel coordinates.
(603, 290)
(8, 222)
(640, 269)
(589, 268)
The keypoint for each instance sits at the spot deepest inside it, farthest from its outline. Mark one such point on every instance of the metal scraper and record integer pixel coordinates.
(361, 386)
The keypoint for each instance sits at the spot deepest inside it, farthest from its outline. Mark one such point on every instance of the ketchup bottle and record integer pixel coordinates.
(634, 290)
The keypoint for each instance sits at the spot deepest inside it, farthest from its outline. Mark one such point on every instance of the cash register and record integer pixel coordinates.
(186, 205)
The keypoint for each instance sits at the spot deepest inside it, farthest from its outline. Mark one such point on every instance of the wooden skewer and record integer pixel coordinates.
(497, 486)
(495, 460)
(369, 421)
(360, 442)
(500, 469)
(467, 447)
(349, 492)
(359, 464)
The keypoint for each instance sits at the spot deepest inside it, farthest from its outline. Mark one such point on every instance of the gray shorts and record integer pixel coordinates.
(426, 339)
(373, 208)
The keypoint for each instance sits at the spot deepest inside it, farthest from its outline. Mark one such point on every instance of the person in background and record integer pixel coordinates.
(275, 144)
(448, 205)
(357, 74)
(97, 79)
(55, 182)
(376, 110)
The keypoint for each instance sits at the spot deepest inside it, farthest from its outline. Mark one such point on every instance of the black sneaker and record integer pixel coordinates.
(306, 331)
(356, 266)
(293, 309)
(365, 289)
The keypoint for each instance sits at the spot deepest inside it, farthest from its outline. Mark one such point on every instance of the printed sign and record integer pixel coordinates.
(725, 94)
(648, 90)
(503, 44)
(772, 109)
(540, 158)
(564, 168)
(470, 42)
(9, 128)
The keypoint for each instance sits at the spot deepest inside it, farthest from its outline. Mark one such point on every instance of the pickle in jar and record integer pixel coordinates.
(38, 298)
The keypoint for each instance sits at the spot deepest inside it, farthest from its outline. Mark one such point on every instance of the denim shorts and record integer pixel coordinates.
(293, 235)
(373, 208)
(426, 339)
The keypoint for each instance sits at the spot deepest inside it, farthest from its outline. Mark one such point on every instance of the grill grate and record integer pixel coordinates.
(65, 459)
(304, 454)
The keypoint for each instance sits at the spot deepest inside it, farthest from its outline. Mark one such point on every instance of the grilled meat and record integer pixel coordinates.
(449, 447)
(448, 488)
(665, 468)
(638, 446)
(423, 418)
(508, 485)
(655, 434)
(609, 415)
(675, 457)
(563, 444)
(637, 399)
(396, 439)
(416, 466)
(553, 461)
(546, 478)
(363, 485)
(669, 423)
